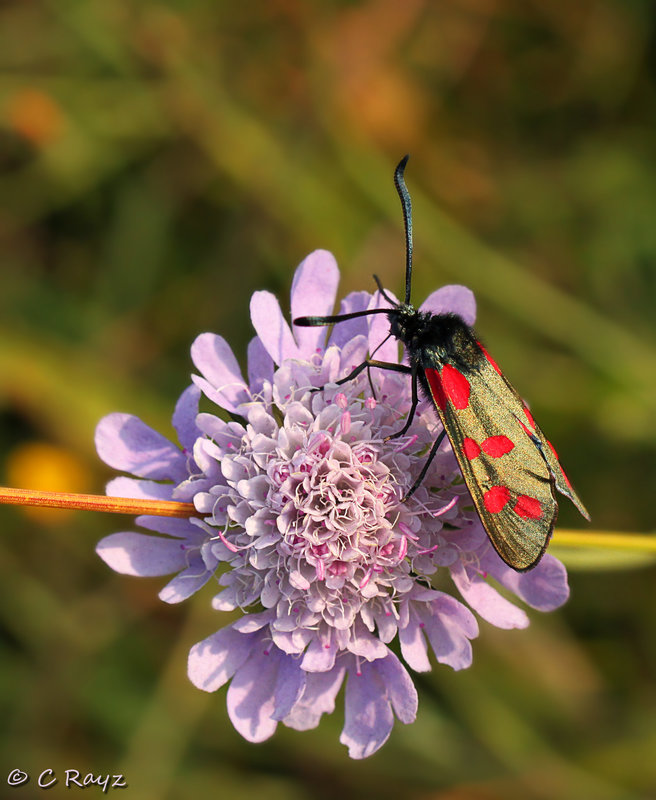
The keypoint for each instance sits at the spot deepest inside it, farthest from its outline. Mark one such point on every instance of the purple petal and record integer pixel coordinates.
(485, 599)
(343, 333)
(379, 332)
(467, 538)
(251, 697)
(180, 528)
(313, 293)
(260, 365)
(187, 582)
(215, 660)
(184, 417)
(413, 644)
(222, 380)
(289, 686)
(452, 299)
(353, 354)
(141, 554)
(544, 587)
(400, 688)
(449, 628)
(144, 490)
(365, 644)
(368, 717)
(454, 650)
(272, 328)
(320, 655)
(126, 443)
(318, 698)
(249, 623)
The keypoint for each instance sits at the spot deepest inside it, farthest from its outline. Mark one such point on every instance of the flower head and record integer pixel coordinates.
(301, 502)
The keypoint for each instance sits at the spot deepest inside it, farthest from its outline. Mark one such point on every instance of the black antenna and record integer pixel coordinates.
(383, 292)
(312, 322)
(407, 221)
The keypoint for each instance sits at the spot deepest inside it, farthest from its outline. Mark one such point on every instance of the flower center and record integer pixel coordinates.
(336, 505)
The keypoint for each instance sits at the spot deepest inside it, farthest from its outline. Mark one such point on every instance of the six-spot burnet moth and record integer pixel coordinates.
(511, 469)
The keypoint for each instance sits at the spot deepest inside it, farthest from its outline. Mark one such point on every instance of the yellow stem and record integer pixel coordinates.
(95, 502)
(639, 542)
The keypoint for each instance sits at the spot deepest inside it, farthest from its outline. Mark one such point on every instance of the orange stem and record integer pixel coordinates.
(95, 502)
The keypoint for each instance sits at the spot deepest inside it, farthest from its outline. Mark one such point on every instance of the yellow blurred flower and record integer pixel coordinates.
(35, 115)
(43, 465)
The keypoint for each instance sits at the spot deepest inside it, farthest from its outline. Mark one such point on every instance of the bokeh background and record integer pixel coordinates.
(159, 162)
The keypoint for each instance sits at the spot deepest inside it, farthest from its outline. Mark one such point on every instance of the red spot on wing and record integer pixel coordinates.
(496, 498)
(456, 386)
(497, 446)
(470, 448)
(437, 390)
(528, 507)
(529, 417)
(526, 430)
(562, 471)
(490, 359)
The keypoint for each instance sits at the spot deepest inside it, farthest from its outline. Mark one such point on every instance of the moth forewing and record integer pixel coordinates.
(508, 478)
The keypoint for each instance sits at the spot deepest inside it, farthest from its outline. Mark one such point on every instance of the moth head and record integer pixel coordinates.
(405, 322)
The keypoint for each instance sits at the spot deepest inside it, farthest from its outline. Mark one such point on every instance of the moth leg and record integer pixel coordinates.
(369, 362)
(413, 407)
(422, 474)
(371, 383)
(371, 355)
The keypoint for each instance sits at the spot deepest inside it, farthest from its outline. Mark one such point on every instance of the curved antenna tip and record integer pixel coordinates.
(406, 205)
(400, 167)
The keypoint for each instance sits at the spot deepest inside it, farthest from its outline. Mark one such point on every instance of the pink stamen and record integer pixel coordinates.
(341, 401)
(366, 578)
(430, 550)
(345, 423)
(399, 448)
(407, 532)
(445, 508)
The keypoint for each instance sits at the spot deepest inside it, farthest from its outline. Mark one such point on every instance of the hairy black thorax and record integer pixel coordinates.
(434, 339)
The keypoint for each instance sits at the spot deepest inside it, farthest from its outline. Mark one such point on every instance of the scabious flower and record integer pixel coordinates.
(298, 503)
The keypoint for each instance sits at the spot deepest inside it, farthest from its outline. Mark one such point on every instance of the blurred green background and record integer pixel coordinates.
(159, 163)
